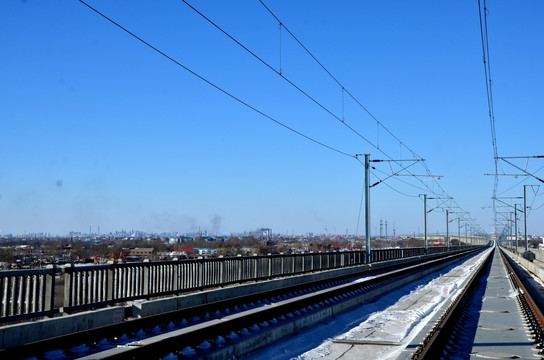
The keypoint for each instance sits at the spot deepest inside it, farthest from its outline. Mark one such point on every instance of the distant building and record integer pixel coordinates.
(142, 252)
(207, 252)
(184, 253)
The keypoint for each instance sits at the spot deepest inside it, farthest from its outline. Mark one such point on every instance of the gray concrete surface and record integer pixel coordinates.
(19, 334)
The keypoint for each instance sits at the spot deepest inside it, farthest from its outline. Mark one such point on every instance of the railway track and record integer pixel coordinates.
(227, 328)
(497, 316)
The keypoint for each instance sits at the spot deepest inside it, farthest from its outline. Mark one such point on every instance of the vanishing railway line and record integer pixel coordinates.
(498, 316)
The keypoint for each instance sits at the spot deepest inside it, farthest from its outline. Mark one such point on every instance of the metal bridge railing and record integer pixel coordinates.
(36, 293)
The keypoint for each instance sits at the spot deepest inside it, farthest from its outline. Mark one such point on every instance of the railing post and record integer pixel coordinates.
(50, 291)
(256, 270)
(68, 287)
(110, 275)
(145, 280)
(175, 280)
(200, 273)
(240, 268)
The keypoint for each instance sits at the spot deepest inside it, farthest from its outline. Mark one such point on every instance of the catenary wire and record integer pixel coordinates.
(359, 103)
(279, 73)
(338, 118)
(487, 72)
(246, 104)
(219, 88)
(520, 182)
(334, 78)
(399, 180)
(214, 85)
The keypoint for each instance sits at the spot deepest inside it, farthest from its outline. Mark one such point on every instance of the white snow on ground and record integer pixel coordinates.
(398, 318)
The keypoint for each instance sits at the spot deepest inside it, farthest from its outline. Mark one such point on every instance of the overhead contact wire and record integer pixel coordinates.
(214, 85)
(279, 73)
(359, 103)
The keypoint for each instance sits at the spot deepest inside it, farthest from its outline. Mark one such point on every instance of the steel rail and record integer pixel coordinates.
(192, 337)
(431, 346)
(532, 309)
(217, 325)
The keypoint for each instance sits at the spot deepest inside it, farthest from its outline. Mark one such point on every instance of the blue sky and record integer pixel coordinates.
(96, 129)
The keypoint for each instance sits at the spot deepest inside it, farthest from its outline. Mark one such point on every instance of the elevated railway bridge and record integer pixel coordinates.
(233, 307)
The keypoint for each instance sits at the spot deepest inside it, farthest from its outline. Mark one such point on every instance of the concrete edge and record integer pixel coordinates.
(20, 334)
(265, 337)
(159, 306)
(533, 267)
(23, 333)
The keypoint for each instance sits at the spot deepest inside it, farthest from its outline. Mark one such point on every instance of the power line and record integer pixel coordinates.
(334, 78)
(396, 178)
(279, 73)
(400, 192)
(264, 114)
(298, 88)
(214, 85)
(359, 103)
(487, 72)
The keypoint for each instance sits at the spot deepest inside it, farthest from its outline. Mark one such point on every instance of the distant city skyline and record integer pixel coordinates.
(97, 128)
(255, 232)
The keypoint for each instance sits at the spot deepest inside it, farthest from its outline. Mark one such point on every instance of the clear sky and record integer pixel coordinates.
(97, 129)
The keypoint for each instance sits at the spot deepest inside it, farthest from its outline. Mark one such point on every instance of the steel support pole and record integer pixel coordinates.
(425, 222)
(459, 231)
(367, 207)
(516, 225)
(448, 229)
(525, 215)
(511, 225)
(466, 234)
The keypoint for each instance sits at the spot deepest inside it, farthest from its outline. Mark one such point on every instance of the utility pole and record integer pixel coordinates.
(466, 233)
(425, 221)
(367, 207)
(516, 225)
(367, 193)
(525, 214)
(459, 231)
(425, 198)
(524, 173)
(448, 229)
(511, 226)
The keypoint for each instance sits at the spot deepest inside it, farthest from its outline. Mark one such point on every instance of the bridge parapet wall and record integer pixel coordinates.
(31, 293)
